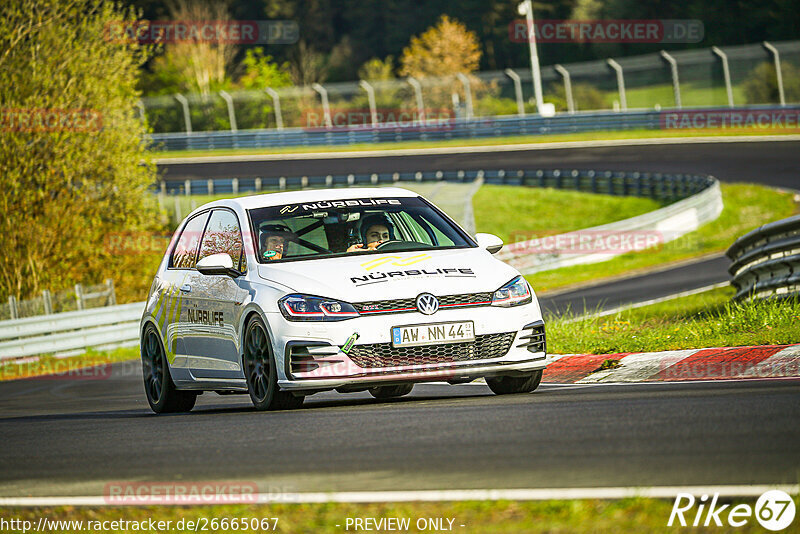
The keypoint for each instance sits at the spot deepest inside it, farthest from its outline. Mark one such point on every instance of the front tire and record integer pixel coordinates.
(162, 396)
(507, 385)
(261, 371)
(389, 392)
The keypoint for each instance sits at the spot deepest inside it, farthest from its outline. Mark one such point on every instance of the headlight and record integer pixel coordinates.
(514, 293)
(306, 308)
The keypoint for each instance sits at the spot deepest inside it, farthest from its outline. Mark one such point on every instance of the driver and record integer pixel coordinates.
(274, 241)
(375, 229)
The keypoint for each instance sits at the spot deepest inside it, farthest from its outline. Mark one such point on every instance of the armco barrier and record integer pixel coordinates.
(480, 127)
(766, 261)
(70, 331)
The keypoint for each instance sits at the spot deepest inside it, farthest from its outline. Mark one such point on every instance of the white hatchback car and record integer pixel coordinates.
(287, 294)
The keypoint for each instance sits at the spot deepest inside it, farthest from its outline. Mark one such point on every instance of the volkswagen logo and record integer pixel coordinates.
(427, 304)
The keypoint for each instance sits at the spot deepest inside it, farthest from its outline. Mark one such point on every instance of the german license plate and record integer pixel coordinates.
(428, 334)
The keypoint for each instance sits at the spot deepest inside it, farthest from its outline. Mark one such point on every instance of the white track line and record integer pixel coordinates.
(527, 494)
(478, 149)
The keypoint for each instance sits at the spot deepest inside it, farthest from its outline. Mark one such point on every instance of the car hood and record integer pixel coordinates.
(368, 277)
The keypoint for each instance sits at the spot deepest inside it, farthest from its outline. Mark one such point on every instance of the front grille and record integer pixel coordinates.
(384, 355)
(410, 305)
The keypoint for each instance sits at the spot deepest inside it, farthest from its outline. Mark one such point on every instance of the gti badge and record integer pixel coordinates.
(427, 304)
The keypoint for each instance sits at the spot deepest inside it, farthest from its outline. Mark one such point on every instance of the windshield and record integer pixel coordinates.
(313, 230)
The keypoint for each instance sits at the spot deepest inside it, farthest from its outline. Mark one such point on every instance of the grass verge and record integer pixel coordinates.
(703, 320)
(519, 213)
(484, 141)
(747, 206)
(92, 364)
(595, 516)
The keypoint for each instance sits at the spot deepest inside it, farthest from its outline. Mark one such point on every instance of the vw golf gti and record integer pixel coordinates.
(283, 295)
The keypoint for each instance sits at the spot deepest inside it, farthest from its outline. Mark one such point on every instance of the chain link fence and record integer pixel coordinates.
(710, 77)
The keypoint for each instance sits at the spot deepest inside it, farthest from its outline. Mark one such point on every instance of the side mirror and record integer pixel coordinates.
(217, 264)
(490, 242)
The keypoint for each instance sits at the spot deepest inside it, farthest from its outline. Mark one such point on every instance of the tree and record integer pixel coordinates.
(261, 71)
(74, 165)
(377, 69)
(445, 49)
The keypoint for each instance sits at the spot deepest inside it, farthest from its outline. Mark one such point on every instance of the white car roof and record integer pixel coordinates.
(309, 195)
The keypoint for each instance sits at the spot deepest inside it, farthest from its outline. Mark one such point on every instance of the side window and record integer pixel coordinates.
(222, 236)
(185, 253)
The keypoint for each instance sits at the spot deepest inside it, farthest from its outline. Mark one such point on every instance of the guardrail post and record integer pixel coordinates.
(187, 187)
(413, 82)
(235, 186)
(12, 307)
(210, 186)
(258, 184)
(79, 296)
(373, 110)
(777, 59)
(567, 87)
(623, 101)
(517, 91)
(112, 295)
(676, 85)
(326, 108)
(231, 113)
(187, 119)
(48, 302)
(467, 93)
(726, 73)
(276, 103)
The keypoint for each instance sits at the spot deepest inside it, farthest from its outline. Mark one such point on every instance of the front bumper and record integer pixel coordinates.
(312, 358)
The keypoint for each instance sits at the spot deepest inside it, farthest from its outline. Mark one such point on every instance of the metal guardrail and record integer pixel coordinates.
(766, 261)
(70, 331)
(451, 129)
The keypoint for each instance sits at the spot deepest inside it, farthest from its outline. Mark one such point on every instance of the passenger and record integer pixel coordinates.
(375, 229)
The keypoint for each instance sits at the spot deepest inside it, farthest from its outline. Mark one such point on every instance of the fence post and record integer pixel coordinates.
(373, 110)
(188, 187)
(413, 82)
(210, 186)
(726, 73)
(276, 103)
(12, 307)
(467, 93)
(112, 295)
(79, 296)
(187, 119)
(777, 58)
(140, 107)
(623, 102)
(231, 113)
(48, 302)
(517, 91)
(258, 185)
(326, 108)
(235, 186)
(676, 85)
(567, 87)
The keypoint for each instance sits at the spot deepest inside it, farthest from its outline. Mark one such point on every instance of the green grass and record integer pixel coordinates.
(706, 319)
(518, 213)
(485, 141)
(575, 516)
(70, 367)
(746, 207)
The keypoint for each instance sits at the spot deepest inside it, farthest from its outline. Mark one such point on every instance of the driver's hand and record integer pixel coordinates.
(374, 245)
(355, 248)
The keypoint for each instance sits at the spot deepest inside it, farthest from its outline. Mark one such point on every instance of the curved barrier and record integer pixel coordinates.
(697, 118)
(766, 261)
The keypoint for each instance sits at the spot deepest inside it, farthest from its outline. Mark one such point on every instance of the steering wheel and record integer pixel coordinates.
(396, 244)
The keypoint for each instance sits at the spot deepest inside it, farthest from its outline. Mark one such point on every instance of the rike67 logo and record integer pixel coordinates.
(774, 510)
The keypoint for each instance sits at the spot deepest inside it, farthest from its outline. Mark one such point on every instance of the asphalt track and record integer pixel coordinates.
(73, 437)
